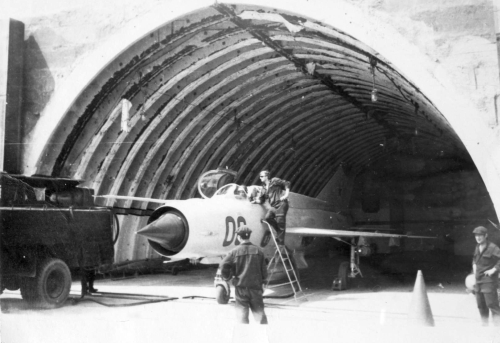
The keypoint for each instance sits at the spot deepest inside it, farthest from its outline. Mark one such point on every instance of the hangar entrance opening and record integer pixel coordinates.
(251, 88)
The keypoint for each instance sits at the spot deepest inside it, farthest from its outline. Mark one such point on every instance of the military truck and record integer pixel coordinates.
(50, 229)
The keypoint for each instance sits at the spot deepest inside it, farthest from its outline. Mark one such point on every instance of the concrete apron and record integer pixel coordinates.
(379, 314)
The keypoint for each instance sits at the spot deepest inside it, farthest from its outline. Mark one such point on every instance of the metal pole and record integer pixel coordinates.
(4, 53)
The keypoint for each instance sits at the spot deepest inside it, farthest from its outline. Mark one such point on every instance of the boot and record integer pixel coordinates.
(91, 278)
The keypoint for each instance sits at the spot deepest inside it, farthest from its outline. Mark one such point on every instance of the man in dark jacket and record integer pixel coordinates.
(486, 265)
(247, 263)
(276, 191)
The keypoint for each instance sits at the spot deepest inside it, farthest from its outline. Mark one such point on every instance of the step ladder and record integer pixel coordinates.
(281, 255)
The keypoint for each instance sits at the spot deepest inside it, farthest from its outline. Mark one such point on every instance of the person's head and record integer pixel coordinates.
(243, 232)
(241, 191)
(481, 234)
(264, 176)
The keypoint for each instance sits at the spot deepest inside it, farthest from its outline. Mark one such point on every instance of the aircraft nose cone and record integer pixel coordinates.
(169, 231)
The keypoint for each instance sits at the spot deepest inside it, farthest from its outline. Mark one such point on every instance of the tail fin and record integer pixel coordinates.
(338, 190)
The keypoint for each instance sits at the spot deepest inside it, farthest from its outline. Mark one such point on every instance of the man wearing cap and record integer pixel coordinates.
(486, 265)
(247, 263)
(276, 191)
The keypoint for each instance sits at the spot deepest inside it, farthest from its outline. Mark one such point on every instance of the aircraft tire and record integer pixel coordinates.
(221, 295)
(344, 275)
(50, 288)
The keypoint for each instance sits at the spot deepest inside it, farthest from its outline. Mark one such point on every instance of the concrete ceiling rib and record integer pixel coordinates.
(273, 158)
(312, 149)
(341, 147)
(179, 97)
(134, 81)
(230, 135)
(275, 123)
(213, 114)
(306, 139)
(95, 95)
(282, 137)
(334, 144)
(224, 116)
(210, 108)
(260, 117)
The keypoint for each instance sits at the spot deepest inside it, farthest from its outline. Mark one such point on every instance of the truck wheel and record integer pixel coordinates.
(221, 295)
(343, 275)
(50, 288)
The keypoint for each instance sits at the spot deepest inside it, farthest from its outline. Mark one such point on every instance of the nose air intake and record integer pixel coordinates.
(168, 234)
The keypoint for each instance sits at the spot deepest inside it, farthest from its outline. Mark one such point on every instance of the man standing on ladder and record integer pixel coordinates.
(247, 263)
(276, 191)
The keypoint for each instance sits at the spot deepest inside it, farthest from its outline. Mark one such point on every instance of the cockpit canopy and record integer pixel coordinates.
(219, 183)
(211, 181)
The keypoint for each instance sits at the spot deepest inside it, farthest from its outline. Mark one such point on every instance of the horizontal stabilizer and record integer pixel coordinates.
(314, 232)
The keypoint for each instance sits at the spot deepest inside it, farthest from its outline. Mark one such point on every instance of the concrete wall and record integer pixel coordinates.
(457, 35)
(58, 42)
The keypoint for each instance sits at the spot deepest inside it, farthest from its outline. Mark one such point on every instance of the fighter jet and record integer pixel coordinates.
(203, 230)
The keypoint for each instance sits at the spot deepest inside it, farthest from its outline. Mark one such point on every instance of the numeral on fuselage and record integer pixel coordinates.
(231, 230)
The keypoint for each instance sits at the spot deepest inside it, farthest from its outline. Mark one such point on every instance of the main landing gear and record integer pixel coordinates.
(348, 270)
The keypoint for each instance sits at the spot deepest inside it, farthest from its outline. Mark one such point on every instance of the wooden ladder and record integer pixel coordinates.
(281, 255)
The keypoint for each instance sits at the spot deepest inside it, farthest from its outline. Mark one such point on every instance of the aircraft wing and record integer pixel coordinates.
(314, 232)
(124, 197)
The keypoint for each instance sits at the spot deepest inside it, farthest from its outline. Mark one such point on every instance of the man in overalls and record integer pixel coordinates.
(486, 265)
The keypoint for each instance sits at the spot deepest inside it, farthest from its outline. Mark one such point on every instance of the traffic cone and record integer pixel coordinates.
(420, 310)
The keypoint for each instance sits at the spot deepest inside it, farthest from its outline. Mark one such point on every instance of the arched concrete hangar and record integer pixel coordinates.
(305, 91)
